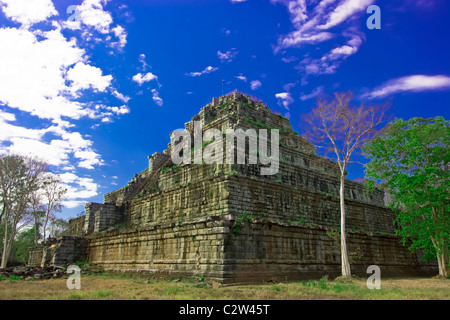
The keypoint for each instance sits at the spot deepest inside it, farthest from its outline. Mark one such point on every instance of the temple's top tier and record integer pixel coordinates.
(241, 110)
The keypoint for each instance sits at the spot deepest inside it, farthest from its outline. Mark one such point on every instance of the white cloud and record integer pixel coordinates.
(143, 62)
(344, 11)
(241, 77)
(313, 94)
(37, 68)
(91, 14)
(121, 34)
(284, 99)
(43, 74)
(296, 38)
(120, 96)
(237, 1)
(289, 60)
(329, 62)
(156, 97)
(414, 83)
(28, 12)
(227, 56)
(77, 188)
(289, 86)
(85, 76)
(207, 70)
(255, 84)
(54, 152)
(313, 23)
(140, 78)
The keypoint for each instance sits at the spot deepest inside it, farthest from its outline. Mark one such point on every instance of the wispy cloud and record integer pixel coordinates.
(156, 97)
(414, 83)
(241, 77)
(207, 70)
(255, 84)
(284, 99)
(344, 11)
(313, 23)
(228, 56)
(143, 62)
(313, 94)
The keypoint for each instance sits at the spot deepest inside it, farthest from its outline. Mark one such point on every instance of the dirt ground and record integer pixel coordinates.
(109, 287)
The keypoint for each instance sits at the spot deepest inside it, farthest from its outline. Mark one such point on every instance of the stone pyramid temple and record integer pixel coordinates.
(228, 222)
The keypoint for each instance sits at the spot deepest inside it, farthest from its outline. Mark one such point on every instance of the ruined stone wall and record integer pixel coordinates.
(108, 215)
(256, 250)
(35, 256)
(265, 251)
(76, 226)
(303, 204)
(191, 248)
(68, 249)
(199, 190)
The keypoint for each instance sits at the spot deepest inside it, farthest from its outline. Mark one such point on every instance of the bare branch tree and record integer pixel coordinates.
(19, 178)
(340, 129)
(53, 194)
(37, 210)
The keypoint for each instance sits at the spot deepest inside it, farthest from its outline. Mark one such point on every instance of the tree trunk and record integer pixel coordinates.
(36, 230)
(442, 266)
(45, 226)
(442, 262)
(5, 254)
(35, 234)
(446, 259)
(345, 264)
(441, 255)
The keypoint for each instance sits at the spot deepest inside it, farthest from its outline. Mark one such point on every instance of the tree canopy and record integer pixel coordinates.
(411, 161)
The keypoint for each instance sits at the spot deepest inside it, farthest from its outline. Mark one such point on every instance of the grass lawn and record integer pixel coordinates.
(111, 287)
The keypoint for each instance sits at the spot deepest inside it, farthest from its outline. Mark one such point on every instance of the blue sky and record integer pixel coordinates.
(96, 90)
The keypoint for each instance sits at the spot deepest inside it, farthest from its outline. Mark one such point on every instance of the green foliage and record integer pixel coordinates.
(164, 170)
(224, 105)
(14, 278)
(250, 106)
(411, 161)
(208, 142)
(321, 284)
(22, 243)
(103, 294)
(244, 217)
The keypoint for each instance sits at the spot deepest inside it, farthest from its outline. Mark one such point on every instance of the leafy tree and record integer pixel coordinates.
(411, 159)
(22, 243)
(341, 129)
(59, 227)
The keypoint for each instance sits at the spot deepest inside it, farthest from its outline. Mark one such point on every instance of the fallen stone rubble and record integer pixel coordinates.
(33, 273)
